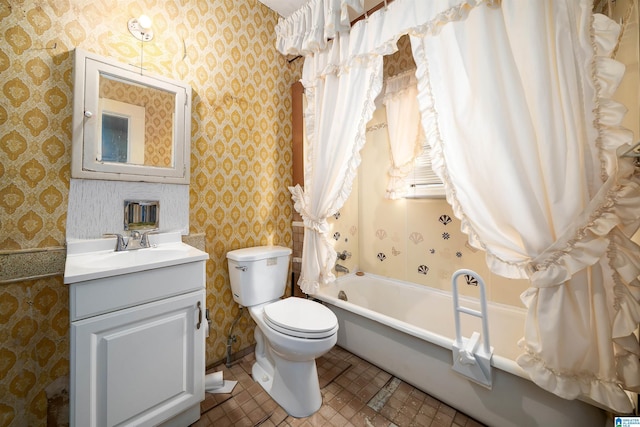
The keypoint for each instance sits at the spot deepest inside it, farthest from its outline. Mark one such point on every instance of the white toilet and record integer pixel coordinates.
(290, 332)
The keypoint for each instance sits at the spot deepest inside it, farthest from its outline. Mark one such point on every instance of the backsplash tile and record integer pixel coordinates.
(31, 264)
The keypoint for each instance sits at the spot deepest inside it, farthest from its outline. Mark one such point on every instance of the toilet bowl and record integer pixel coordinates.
(290, 333)
(285, 364)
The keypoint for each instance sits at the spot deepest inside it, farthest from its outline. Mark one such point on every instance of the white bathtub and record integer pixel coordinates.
(408, 330)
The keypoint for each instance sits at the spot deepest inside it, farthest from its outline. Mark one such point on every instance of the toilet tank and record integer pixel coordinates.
(258, 274)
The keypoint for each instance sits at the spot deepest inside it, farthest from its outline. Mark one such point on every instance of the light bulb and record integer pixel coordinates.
(145, 22)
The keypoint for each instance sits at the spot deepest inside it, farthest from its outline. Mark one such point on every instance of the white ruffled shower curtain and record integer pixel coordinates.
(405, 131)
(515, 103)
(337, 85)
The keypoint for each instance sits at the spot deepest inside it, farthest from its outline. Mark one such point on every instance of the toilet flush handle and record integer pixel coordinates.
(241, 267)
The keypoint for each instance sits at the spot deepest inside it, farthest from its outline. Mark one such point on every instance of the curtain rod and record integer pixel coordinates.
(365, 15)
(375, 8)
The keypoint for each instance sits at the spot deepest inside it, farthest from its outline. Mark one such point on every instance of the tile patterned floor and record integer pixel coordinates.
(354, 392)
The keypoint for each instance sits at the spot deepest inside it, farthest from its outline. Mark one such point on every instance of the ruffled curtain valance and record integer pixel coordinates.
(309, 28)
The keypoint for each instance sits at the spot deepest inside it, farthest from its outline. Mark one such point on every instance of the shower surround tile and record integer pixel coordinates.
(345, 224)
(444, 248)
(382, 222)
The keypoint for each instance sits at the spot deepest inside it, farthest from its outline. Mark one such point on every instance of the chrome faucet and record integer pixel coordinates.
(121, 245)
(135, 240)
(138, 241)
(341, 269)
(144, 242)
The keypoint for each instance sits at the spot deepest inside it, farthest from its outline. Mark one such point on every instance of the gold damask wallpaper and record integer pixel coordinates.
(400, 61)
(240, 161)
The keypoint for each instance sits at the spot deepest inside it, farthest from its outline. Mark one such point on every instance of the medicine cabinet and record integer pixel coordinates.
(128, 125)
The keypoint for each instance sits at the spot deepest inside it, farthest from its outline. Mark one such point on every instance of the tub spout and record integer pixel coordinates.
(341, 269)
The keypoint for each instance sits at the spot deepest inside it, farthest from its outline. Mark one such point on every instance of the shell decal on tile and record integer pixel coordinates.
(444, 219)
(381, 234)
(394, 251)
(423, 269)
(336, 236)
(381, 256)
(416, 237)
(471, 280)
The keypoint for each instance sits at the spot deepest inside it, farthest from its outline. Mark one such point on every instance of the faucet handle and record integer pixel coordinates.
(121, 245)
(344, 255)
(144, 241)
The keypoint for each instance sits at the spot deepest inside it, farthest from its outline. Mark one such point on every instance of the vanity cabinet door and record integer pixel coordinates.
(139, 366)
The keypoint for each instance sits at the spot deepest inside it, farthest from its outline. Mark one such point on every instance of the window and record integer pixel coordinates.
(422, 182)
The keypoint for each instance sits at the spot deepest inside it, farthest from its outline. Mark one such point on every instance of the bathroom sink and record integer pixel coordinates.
(88, 260)
(124, 259)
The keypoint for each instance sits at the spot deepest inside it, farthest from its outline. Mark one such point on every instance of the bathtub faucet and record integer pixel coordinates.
(344, 255)
(341, 269)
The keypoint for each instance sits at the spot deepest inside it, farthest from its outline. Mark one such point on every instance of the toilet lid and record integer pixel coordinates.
(301, 317)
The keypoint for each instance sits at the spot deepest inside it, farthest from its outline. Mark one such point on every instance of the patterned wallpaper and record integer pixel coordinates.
(240, 161)
(159, 108)
(400, 61)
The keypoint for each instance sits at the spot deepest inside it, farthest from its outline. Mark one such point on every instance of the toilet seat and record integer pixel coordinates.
(302, 318)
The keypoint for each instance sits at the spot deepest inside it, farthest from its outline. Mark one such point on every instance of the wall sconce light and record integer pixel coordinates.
(140, 28)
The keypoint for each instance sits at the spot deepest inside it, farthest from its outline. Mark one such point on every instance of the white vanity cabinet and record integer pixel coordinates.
(137, 346)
